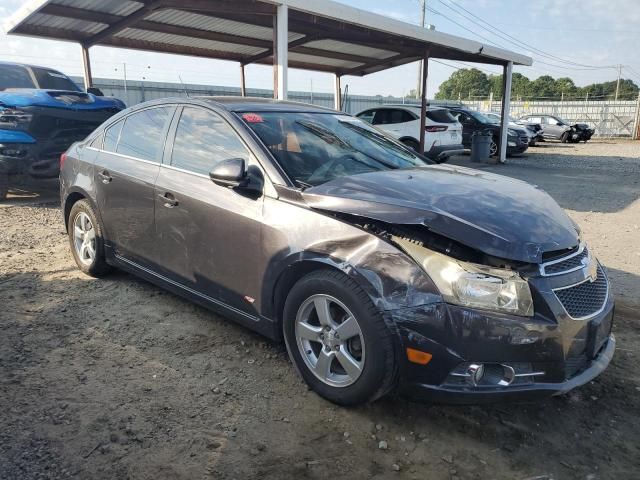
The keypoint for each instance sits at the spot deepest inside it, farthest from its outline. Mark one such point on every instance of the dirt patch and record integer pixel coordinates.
(116, 378)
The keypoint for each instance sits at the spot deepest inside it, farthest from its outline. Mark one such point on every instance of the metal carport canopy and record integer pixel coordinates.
(319, 35)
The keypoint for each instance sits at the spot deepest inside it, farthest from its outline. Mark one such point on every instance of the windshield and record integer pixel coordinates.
(15, 76)
(313, 148)
(52, 80)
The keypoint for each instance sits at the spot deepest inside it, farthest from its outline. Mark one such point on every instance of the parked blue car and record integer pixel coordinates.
(42, 112)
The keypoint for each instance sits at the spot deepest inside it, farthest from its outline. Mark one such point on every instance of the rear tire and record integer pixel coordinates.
(86, 240)
(345, 354)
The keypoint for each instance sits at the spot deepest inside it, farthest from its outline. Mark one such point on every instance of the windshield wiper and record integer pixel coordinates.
(303, 185)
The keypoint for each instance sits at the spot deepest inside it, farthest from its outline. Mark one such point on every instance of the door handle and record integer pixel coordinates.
(168, 199)
(105, 177)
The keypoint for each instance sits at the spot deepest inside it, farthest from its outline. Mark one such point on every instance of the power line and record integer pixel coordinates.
(515, 41)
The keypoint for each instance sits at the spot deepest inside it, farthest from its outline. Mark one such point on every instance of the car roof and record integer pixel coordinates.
(26, 65)
(258, 104)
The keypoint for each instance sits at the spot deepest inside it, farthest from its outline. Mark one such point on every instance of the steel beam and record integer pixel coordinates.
(86, 64)
(506, 104)
(423, 96)
(337, 94)
(281, 52)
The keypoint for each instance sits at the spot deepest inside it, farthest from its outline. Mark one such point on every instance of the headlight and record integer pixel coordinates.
(512, 132)
(473, 285)
(14, 118)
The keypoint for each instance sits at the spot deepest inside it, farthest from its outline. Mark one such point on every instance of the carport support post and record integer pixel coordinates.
(506, 103)
(337, 94)
(281, 51)
(423, 96)
(243, 85)
(86, 63)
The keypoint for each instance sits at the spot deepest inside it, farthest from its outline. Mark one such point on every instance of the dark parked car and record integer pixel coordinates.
(555, 128)
(378, 270)
(42, 112)
(472, 121)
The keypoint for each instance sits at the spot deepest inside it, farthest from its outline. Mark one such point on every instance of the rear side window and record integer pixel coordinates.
(141, 135)
(111, 137)
(389, 116)
(14, 76)
(440, 116)
(367, 116)
(204, 139)
(96, 142)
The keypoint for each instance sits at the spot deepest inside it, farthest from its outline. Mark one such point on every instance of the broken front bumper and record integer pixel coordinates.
(544, 356)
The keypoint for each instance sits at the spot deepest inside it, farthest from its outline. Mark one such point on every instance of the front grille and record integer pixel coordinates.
(567, 265)
(586, 298)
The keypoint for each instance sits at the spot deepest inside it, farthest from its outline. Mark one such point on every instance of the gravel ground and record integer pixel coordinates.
(118, 379)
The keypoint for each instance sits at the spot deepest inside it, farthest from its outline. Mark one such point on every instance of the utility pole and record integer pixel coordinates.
(423, 8)
(618, 84)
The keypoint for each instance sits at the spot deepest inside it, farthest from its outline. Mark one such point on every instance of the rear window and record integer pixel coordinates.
(52, 80)
(14, 76)
(441, 116)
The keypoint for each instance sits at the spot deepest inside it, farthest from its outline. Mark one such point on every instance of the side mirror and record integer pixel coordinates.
(95, 91)
(230, 173)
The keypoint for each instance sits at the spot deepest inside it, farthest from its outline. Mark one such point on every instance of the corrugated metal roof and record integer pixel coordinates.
(347, 38)
(354, 49)
(44, 20)
(114, 7)
(312, 59)
(170, 39)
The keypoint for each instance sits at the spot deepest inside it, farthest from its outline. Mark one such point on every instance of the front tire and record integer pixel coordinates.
(337, 339)
(86, 240)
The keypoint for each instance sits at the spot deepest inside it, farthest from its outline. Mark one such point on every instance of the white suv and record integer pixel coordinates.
(442, 136)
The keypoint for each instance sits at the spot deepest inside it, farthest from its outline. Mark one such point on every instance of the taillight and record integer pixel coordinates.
(435, 128)
(63, 157)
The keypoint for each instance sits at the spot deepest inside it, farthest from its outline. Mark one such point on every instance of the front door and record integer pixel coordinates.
(126, 170)
(208, 236)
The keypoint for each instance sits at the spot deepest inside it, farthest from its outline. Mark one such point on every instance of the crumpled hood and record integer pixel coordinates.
(70, 100)
(497, 215)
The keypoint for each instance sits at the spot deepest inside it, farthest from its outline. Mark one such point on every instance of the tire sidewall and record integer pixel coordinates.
(371, 379)
(99, 266)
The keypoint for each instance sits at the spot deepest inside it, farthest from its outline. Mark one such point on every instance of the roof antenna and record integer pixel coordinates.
(184, 87)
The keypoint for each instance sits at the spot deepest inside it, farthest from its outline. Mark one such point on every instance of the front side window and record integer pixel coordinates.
(314, 148)
(52, 80)
(15, 76)
(203, 139)
(141, 135)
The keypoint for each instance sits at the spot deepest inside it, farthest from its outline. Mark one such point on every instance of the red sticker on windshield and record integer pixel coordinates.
(252, 118)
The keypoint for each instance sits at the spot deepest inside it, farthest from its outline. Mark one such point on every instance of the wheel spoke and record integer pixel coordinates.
(77, 232)
(90, 250)
(350, 364)
(347, 329)
(83, 252)
(322, 309)
(309, 332)
(90, 234)
(323, 365)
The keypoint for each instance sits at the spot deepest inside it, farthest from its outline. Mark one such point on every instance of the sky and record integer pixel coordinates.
(600, 33)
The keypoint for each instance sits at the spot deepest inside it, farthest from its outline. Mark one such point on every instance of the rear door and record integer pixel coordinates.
(208, 237)
(126, 171)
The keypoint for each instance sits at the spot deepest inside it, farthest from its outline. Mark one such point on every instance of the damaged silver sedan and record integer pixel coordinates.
(380, 271)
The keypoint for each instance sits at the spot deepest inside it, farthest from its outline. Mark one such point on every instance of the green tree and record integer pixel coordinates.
(464, 82)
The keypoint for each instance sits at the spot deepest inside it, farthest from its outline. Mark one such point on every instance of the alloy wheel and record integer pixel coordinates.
(330, 340)
(84, 238)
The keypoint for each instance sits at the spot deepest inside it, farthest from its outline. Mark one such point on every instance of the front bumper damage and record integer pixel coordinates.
(550, 353)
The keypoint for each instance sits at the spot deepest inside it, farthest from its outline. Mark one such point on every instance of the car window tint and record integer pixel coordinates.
(204, 139)
(53, 80)
(141, 135)
(111, 137)
(367, 116)
(14, 76)
(440, 116)
(381, 117)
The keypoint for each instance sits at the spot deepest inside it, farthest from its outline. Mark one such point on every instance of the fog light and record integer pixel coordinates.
(475, 372)
(511, 144)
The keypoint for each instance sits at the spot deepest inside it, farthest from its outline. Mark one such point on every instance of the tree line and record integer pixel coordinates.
(469, 83)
